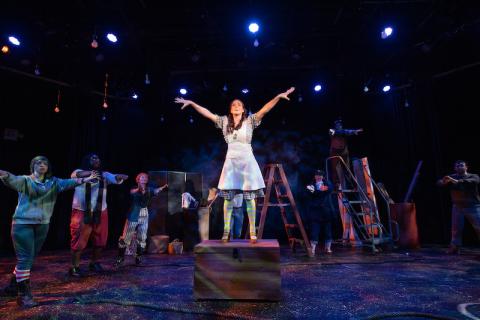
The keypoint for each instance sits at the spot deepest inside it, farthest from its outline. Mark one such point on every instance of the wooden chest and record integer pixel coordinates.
(237, 270)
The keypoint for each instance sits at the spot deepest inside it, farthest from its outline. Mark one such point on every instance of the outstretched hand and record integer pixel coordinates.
(3, 173)
(284, 95)
(93, 176)
(185, 103)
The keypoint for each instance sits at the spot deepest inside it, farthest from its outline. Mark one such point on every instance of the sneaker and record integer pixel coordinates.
(96, 267)
(328, 251)
(75, 272)
(453, 249)
(253, 239)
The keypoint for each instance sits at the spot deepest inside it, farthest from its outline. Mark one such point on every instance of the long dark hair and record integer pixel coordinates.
(231, 124)
(43, 158)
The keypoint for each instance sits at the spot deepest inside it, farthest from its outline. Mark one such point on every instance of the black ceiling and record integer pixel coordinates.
(208, 41)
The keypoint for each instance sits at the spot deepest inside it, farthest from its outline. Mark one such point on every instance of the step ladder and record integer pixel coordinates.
(276, 180)
(356, 197)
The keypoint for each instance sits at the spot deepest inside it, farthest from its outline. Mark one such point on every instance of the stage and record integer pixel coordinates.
(350, 284)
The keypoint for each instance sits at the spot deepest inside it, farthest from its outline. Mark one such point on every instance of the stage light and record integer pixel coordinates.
(256, 43)
(253, 27)
(317, 88)
(112, 37)
(386, 88)
(387, 32)
(57, 109)
(14, 40)
(135, 96)
(5, 49)
(245, 91)
(365, 89)
(183, 91)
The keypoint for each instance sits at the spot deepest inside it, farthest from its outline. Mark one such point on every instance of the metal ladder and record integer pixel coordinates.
(276, 179)
(361, 206)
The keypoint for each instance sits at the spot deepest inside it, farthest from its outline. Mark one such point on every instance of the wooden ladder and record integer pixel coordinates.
(276, 179)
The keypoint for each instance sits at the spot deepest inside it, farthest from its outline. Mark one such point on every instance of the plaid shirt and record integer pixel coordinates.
(36, 199)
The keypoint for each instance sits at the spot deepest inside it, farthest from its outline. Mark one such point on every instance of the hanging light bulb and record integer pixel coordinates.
(105, 104)
(147, 79)
(94, 43)
(190, 120)
(57, 105)
(37, 70)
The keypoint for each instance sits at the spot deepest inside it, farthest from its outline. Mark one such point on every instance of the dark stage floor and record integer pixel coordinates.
(350, 284)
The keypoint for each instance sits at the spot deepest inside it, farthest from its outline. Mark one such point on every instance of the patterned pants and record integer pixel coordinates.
(140, 227)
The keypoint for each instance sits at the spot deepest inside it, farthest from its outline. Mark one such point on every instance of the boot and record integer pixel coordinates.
(138, 257)
(74, 270)
(120, 257)
(11, 290)
(24, 295)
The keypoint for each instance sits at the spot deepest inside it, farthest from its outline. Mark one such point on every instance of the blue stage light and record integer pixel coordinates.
(253, 27)
(14, 40)
(112, 37)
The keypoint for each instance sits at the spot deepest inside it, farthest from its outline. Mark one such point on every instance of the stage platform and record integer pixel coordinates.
(350, 284)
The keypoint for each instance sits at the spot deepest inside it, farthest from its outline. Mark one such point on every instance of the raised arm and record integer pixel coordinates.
(66, 184)
(158, 190)
(270, 104)
(114, 178)
(80, 174)
(203, 111)
(16, 183)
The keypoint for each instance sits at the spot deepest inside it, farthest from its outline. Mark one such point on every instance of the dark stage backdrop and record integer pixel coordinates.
(152, 134)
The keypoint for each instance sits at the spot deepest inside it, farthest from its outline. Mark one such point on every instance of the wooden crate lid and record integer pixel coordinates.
(218, 245)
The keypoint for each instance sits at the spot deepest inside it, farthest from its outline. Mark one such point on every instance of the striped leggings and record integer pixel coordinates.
(140, 227)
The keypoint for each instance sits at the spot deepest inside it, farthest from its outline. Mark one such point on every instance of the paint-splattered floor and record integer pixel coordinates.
(350, 284)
